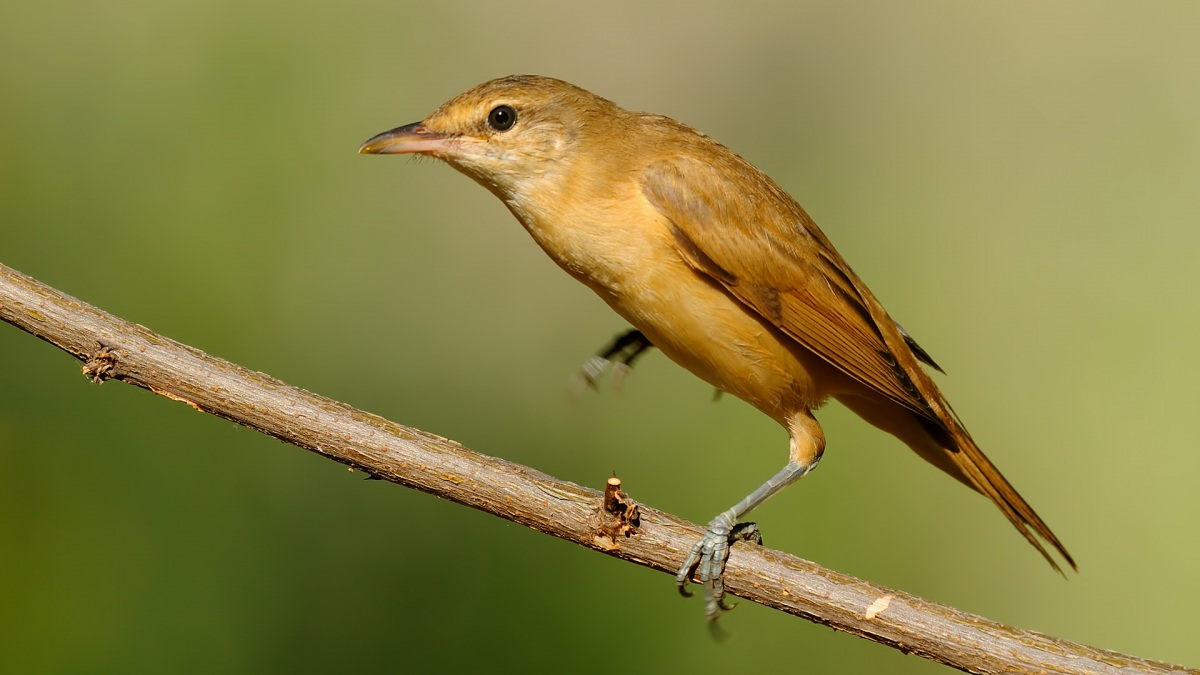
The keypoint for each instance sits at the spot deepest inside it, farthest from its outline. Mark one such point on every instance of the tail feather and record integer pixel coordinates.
(987, 479)
(947, 445)
(966, 461)
(941, 437)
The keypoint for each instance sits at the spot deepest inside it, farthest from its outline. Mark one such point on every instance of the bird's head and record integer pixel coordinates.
(509, 134)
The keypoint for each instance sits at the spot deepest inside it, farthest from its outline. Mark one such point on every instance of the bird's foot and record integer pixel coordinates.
(590, 373)
(706, 561)
(618, 356)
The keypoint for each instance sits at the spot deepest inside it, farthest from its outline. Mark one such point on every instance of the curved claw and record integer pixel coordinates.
(707, 561)
(684, 576)
(718, 634)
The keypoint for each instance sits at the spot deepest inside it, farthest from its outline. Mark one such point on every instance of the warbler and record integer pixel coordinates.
(717, 266)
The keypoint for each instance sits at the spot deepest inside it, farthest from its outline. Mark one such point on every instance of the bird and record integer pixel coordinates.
(718, 267)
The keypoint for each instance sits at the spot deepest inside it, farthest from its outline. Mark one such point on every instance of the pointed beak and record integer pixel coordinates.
(410, 138)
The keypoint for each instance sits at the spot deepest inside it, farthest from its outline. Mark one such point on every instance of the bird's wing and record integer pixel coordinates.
(755, 240)
(752, 238)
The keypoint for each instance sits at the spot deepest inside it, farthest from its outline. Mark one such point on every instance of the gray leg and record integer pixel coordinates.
(707, 558)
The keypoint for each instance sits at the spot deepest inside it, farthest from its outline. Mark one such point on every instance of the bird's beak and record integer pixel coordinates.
(408, 138)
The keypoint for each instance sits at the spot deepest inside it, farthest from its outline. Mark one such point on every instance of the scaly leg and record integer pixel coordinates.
(707, 558)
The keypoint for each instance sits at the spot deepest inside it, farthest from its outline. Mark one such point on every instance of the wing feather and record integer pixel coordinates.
(766, 251)
(756, 241)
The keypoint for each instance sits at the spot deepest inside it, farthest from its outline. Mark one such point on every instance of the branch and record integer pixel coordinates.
(112, 348)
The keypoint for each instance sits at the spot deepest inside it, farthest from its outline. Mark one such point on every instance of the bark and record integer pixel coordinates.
(112, 348)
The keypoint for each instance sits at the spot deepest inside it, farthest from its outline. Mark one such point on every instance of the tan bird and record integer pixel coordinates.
(717, 266)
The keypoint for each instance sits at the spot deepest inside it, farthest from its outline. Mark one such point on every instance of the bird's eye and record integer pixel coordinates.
(502, 117)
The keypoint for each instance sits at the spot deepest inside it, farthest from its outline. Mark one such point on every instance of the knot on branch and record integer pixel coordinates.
(101, 364)
(617, 517)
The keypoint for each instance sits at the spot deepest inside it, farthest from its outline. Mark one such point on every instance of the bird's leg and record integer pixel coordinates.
(623, 350)
(707, 558)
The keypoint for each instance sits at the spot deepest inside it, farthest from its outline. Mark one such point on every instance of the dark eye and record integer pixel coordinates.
(502, 117)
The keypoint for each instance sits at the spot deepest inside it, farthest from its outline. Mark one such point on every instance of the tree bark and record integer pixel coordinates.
(112, 348)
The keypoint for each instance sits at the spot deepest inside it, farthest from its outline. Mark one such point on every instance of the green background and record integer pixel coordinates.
(1017, 181)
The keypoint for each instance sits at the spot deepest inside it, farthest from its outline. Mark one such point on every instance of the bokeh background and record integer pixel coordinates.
(1017, 181)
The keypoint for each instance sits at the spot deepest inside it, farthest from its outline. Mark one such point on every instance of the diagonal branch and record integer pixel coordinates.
(112, 348)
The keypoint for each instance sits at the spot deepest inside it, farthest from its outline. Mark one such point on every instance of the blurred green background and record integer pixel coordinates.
(1017, 182)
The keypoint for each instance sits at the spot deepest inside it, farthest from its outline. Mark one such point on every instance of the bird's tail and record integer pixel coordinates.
(985, 478)
(948, 446)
